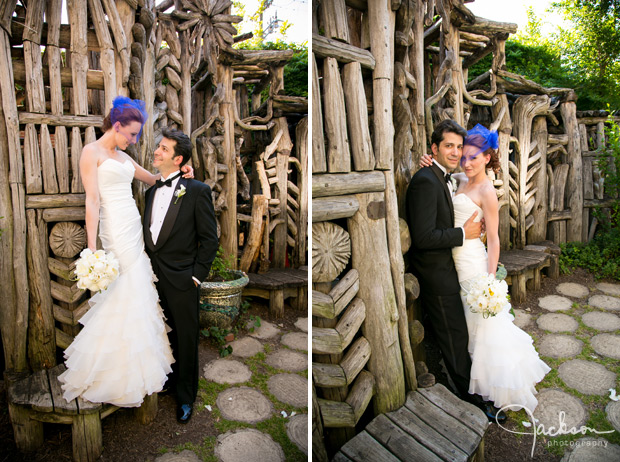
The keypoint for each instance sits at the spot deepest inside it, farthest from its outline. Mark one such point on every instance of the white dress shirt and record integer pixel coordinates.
(161, 203)
(450, 187)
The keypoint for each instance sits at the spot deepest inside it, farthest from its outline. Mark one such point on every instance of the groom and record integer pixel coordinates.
(430, 216)
(180, 234)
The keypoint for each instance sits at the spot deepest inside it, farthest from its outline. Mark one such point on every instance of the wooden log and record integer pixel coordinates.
(319, 454)
(41, 201)
(338, 152)
(16, 329)
(333, 208)
(538, 232)
(94, 78)
(265, 56)
(323, 47)
(575, 189)
(82, 121)
(76, 152)
(331, 250)
(404, 136)
(336, 414)
(336, 340)
(41, 341)
(32, 161)
(50, 183)
(357, 117)
(147, 412)
(343, 374)
(107, 51)
(79, 63)
(228, 217)
(121, 20)
(32, 56)
(301, 136)
(319, 160)
(334, 20)
(382, 47)
(86, 436)
(280, 233)
(343, 292)
(370, 256)
(255, 234)
(67, 239)
(556, 198)
(397, 268)
(326, 185)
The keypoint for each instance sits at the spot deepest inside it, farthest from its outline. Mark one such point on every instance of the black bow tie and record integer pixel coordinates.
(168, 182)
(448, 177)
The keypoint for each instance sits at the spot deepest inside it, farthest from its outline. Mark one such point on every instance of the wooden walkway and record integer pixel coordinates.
(433, 425)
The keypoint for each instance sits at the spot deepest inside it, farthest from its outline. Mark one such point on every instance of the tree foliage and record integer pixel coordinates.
(585, 55)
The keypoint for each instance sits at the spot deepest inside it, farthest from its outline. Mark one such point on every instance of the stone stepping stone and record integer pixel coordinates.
(183, 456)
(606, 345)
(295, 340)
(587, 377)
(589, 449)
(605, 302)
(598, 320)
(289, 388)
(555, 303)
(571, 289)
(288, 360)
(297, 431)
(246, 347)
(302, 324)
(227, 371)
(609, 288)
(244, 404)
(557, 322)
(264, 332)
(559, 346)
(247, 444)
(613, 414)
(552, 401)
(522, 318)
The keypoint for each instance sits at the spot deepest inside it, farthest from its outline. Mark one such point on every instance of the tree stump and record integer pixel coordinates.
(331, 250)
(67, 239)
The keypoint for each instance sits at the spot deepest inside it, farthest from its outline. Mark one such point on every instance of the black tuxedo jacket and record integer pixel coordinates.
(430, 216)
(187, 243)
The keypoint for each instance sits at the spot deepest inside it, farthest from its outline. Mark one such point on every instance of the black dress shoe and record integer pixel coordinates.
(493, 413)
(184, 413)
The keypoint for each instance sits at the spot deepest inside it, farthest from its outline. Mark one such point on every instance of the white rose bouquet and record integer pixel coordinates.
(487, 295)
(95, 271)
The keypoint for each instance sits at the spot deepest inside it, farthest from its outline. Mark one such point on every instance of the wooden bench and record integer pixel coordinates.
(524, 270)
(277, 284)
(433, 425)
(37, 398)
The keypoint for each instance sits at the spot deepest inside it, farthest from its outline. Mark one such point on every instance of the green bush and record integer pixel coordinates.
(601, 256)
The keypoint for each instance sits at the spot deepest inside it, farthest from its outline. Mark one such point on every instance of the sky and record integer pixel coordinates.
(295, 11)
(515, 11)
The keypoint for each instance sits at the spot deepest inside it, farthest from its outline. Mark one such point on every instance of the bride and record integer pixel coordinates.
(505, 365)
(122, 353)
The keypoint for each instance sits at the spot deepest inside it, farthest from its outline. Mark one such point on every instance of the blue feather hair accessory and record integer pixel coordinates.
(122, 103)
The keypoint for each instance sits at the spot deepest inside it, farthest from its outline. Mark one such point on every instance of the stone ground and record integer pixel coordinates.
(251, 406)
(576, 330)
(575, 323)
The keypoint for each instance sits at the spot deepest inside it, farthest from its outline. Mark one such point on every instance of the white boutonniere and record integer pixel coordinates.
(179, 193)
(454, 183)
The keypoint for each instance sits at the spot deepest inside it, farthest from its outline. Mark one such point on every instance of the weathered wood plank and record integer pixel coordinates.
(319, 159)
(50, 183)
(32, 161)
(333, 208)
(328, 184)
(42, 201)
(322, 305)
(61, 406)
(323, 47)
(365, 448)
(335, 117)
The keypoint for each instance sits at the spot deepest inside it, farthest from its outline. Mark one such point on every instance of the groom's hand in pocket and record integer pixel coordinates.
(472, 229)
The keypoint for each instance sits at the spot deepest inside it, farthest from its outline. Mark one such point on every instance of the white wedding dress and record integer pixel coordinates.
(505, 365)
(122, 352)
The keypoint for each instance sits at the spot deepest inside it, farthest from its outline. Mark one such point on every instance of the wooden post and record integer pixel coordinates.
(16, 331)
(41, 338)
(370, 256)
(416, 59)
(186, 87)
(504, 132)
(382, 20)
(255, 234)
(574, 186)
(338, 154)
(228, 217)
(147, 412)
(319, 160)
(106, 53)
(301, 138)
(538, 231)
(86, 437)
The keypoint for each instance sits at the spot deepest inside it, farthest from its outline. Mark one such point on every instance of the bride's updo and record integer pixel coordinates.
(125, 110)
(487, 143)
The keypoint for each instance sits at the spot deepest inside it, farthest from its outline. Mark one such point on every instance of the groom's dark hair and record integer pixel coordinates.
(446, 126)
(183, 146)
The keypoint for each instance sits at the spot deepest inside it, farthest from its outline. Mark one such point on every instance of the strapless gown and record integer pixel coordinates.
(122, 353)
(505, 365)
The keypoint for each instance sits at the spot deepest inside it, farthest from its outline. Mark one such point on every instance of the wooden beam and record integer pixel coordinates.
(323, 47)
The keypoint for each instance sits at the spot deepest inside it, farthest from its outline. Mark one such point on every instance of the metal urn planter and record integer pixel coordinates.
(220, 301)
